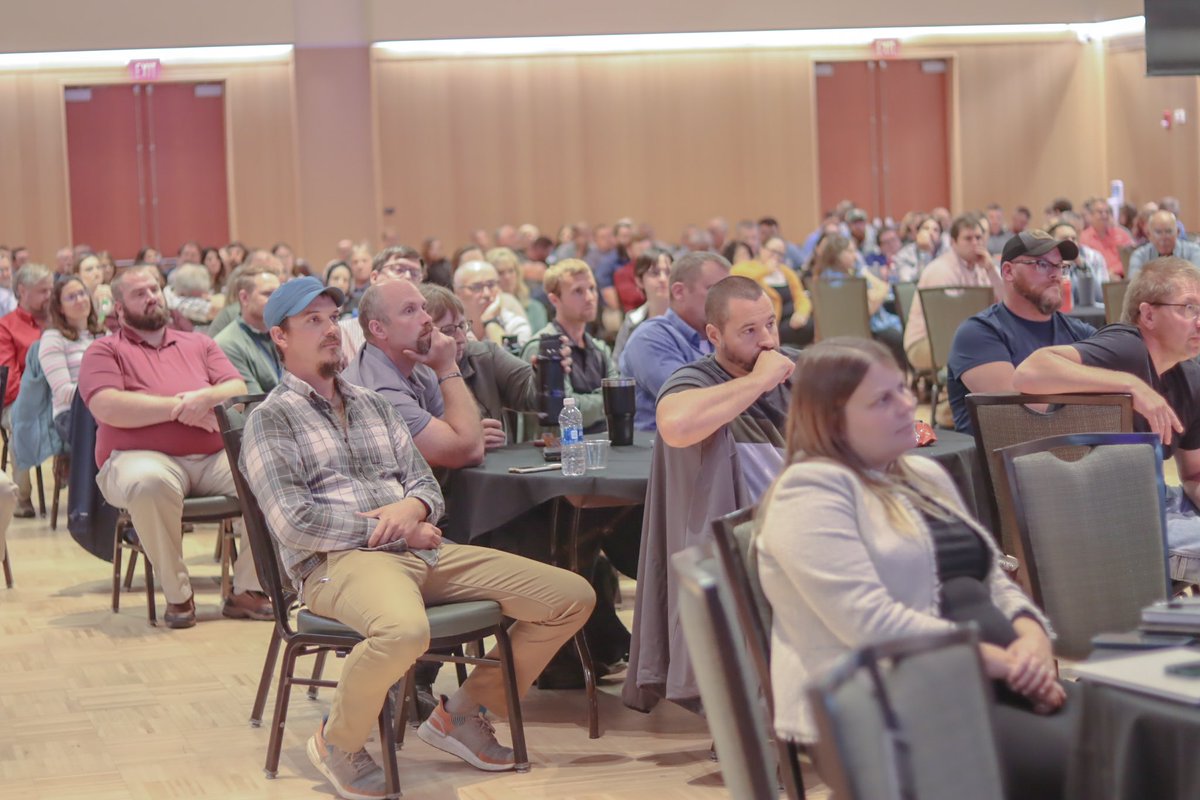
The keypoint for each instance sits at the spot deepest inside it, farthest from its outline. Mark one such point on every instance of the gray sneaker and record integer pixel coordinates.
(469, 736)
(355, 776)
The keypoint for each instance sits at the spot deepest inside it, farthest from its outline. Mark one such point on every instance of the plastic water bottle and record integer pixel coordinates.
(570, 426)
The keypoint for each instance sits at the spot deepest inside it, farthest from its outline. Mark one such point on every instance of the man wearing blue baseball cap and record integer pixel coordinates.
(152, 390)
(353, 507)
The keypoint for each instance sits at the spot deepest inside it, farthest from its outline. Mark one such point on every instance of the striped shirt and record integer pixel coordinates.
(312, 476)
(60, 359)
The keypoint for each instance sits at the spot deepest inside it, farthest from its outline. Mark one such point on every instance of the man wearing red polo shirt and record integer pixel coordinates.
(18, 330)
(152, 391)
(1103, 236)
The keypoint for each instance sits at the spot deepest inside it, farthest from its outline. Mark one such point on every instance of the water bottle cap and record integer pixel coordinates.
(569, 401)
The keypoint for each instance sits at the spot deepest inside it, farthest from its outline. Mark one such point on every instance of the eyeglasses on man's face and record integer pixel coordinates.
(403, 269)
(481, 286)
(458, 327)
(1190, 311)
(1048, 267)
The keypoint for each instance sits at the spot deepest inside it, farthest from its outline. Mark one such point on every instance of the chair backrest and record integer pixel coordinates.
(945, 308)
(736, 717)
(908, 718)
(231, 417)
(733, 535)
(1114, 300)
(1003, 419)
(840, 307)
(905, 292)
(3, 385)
(1093, 531)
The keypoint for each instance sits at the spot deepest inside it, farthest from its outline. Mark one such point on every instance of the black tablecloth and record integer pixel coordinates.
(1093, 315)
(1134, 747)
(479, 499)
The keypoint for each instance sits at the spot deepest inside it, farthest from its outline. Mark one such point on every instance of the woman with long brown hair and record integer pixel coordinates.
(73, 327)
(860, 541)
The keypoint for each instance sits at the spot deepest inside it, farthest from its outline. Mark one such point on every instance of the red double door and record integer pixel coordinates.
(147, 166)
(883, 135)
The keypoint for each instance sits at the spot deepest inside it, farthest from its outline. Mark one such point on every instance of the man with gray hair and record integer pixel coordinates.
(19, 329)
(493, 314)
(1163, 231)
(663, 344)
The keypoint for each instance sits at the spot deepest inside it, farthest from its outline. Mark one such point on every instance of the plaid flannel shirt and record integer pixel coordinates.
(311, 477)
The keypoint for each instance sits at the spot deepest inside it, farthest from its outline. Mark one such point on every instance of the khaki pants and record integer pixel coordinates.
(919, 356)
(8, 504)
(21, 476)
(383, 596)
(151, 486)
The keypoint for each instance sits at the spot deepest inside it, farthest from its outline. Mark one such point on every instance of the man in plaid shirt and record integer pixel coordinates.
(352, 505)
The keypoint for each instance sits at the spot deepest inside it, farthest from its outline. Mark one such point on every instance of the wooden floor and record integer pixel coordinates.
(99, 705)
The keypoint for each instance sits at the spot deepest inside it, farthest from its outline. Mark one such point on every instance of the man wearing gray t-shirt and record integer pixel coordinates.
(411, 364)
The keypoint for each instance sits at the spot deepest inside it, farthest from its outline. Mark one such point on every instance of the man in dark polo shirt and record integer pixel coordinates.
(1149, 355)
(572, 291)
(988, 346)
(152, 391)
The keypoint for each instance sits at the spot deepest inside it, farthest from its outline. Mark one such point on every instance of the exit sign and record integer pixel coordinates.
(147, 69)
(886, 48)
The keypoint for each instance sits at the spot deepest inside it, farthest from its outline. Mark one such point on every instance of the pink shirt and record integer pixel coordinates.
(1109, 246)
(948, 270)
(184, 362)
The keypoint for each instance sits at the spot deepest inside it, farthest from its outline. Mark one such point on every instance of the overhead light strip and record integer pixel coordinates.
(661, 42)
(169, 55)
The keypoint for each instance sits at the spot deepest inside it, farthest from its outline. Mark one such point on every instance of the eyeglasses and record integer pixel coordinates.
(659, 273)
(403, 269)
(1190, 310)
(1046, 267)
(459, 327)
(481, 286)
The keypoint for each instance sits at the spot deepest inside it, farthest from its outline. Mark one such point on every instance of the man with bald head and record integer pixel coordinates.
(1163, 231)
(412, 364)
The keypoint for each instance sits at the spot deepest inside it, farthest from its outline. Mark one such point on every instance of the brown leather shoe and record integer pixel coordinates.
(181, 615)
(248, 605)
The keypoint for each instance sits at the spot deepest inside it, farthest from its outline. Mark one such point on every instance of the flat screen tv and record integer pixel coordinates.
(1173, 37)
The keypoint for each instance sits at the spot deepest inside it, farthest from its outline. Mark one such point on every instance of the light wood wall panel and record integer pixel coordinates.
(670, 139)
(1031, 123)
(260, 141)
(1153, 162)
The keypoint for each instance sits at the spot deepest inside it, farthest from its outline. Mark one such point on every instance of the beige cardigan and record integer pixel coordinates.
(838, 577)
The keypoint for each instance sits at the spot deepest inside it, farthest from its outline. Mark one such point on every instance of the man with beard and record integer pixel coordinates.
(152, 390)
(412, 364)
(988, 347)
(353, 508)
(1149, 355)
(720, 444)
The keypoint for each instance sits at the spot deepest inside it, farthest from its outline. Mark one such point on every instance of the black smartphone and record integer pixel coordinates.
(1188, 669)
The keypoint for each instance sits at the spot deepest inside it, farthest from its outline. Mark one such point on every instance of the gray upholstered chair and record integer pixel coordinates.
(908, 718)
(840, 308)
(1093, 530)
(728, 685)
(904, 292)
(1002, 419)
(1114, 300)
(733, 536)
(945, 308)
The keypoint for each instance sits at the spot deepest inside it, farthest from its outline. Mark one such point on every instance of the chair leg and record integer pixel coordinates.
(116, 598)
(933, 402)
(460, 669)
(387, 740)
(516, 724)
(282, 693)
(318, 668)
(589, 680)
(408, 700)
(41, 486)
(55, 492)
(223, 543)
(790, 774)
(129, 573)
(7, 570)
(150, 607)
(264, 682)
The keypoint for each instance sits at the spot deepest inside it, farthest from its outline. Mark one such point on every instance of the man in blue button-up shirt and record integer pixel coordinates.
(661, 345)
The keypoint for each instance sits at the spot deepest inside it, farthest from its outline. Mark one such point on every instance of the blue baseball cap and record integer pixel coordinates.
(294, 296)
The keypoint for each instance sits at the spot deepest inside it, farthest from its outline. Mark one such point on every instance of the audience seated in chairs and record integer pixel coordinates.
(1164, 240)
(246, 343)
(389, 263)
(495, 315)
(18, 330)
(859, 542)
(1102, 235)
(152, 391)
(719, 445)
(321, 455)
(1151, 356)
(652, 273)
(988, 347)
(663, 344)
(72, 329)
